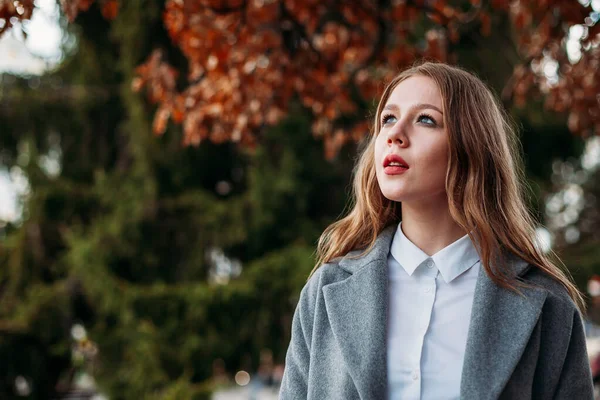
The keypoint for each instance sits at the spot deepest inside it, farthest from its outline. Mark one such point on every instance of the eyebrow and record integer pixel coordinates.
(418, 106)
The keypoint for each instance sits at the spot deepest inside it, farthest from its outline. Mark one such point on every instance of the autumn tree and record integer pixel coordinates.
(247, 59)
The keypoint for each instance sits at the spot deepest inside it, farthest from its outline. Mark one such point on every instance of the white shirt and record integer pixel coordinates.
(430, 300)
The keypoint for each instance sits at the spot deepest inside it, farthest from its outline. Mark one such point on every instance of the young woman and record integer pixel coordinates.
(432, 287)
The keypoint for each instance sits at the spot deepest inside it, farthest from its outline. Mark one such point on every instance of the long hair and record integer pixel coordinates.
(485, 183)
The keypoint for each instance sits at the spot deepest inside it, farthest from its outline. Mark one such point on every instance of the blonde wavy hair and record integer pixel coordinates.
(485, 183)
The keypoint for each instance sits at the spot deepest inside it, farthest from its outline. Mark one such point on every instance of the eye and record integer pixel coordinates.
(388, 118)
(426, 119)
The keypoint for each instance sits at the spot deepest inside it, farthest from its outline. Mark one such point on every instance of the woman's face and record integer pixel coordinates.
(411, 149)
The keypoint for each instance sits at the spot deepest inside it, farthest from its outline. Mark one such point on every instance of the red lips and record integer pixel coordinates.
(393, 158)
(399, 165)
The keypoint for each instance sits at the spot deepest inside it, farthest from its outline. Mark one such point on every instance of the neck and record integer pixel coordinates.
(430, 226)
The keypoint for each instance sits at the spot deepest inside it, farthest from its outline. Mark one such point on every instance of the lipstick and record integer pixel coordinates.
(393, 164)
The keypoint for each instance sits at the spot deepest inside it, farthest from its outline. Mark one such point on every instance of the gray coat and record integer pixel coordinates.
(529, 346)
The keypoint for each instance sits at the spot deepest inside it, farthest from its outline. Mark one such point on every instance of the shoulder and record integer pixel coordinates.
(327, 273)
(555, 290)
(559, 307)
(562, 342)
(351, 263)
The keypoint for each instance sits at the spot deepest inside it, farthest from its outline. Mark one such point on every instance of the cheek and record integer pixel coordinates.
(436, 161)
(379, 151)
(442, 162)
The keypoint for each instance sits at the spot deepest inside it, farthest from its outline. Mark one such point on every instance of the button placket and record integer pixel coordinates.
(430, 291)
(415, 375)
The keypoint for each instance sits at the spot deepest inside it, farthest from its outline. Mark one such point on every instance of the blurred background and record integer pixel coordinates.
(167, 166)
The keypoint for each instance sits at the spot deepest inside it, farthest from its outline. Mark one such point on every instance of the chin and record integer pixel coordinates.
(393, 194)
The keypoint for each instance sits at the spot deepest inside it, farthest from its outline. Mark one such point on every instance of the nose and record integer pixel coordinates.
(397, 136)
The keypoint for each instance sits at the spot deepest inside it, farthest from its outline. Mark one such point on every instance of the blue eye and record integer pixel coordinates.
(426, 119)
(387, 118)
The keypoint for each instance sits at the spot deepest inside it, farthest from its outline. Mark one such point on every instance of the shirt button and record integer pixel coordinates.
(427, 290)
(429, 264)
(415, 375)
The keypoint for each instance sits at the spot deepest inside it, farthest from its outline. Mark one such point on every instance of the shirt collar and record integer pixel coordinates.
(451, 261)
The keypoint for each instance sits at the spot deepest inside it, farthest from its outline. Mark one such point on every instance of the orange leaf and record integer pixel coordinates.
(160, 121)
(137, 83)
(110, 9)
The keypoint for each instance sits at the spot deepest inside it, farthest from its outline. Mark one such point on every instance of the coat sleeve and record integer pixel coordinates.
(294, 384)
(576, 378)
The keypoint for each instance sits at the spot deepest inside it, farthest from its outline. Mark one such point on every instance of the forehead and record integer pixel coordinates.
(416, 89)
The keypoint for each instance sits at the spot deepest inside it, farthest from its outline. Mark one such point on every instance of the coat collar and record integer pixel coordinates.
(356, 259)
(500, 327)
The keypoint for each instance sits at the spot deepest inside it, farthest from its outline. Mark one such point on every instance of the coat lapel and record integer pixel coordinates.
(357, 311)
(501, 323)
